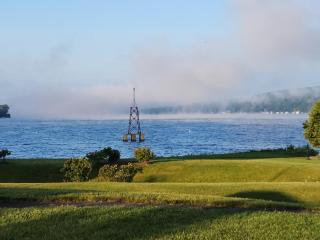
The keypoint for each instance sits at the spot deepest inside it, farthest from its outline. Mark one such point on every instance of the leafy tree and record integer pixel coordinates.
(4, 153)
(4, 111)
(104, 156)
(114, 155)
(312, 126)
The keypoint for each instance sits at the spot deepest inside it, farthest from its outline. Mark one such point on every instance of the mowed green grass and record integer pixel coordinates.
(171, 199)
(31, 170)
(253, 170)
(290, 169)
(266, 195)
(264, 183)
(155, 223)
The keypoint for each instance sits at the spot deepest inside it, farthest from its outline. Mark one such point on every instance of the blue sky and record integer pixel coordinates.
(113, 27)
(103, 33)
(81, 58)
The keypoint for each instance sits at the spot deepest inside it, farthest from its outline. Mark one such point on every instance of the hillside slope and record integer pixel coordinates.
(213, 171)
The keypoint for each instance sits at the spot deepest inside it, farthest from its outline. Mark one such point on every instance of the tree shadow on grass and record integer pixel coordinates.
(26, 196)
(108, 223)
(19, 197)
(259, 154)
(266, 195)
(117, 222)
(154, 179)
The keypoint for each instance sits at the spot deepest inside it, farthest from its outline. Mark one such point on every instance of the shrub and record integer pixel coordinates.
(290, 148)
(302, 151)
(4, 153)
(107, 172)
(127, 172)
(118, 173)
(104, 156)
(77, 170)
(144, 154)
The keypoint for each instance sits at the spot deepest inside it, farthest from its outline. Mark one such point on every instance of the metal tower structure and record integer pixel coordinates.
(134, 128)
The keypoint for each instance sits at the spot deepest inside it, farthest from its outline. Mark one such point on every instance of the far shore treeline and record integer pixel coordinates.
(286, 101)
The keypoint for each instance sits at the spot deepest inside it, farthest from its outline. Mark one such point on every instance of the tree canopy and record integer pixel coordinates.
(312, 126)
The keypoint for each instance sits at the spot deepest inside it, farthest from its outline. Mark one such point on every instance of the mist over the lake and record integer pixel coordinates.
(85, 73)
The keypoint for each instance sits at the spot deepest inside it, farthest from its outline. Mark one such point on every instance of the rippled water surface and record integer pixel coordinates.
(60, 139)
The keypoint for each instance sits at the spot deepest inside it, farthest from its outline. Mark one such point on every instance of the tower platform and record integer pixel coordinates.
(134, 133)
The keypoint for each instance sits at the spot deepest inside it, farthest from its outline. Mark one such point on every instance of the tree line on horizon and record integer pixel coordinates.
(282, 101)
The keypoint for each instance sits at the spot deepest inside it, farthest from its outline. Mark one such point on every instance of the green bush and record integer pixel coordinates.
(302, 151)
(77, 170)
(107, 172)
(104, 156)
(144, 154)
(290, 150)
(4, 153)
(118, 173)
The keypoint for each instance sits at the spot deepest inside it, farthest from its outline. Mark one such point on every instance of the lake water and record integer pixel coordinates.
(62, 139)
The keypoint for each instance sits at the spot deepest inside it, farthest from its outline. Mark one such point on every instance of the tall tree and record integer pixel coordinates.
(312, 126)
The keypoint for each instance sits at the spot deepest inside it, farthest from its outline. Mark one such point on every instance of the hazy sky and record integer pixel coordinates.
(80, 59)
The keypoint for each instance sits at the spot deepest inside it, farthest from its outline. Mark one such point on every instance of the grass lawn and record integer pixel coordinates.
(265, 183)
(286, 169)
(155, 223)
(253, 170)
(225, 198)
(31, 170)
(243, 195)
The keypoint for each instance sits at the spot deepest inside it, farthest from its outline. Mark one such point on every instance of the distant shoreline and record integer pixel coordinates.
(177, 116)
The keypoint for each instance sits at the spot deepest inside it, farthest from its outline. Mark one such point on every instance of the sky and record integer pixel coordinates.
(80, 59)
